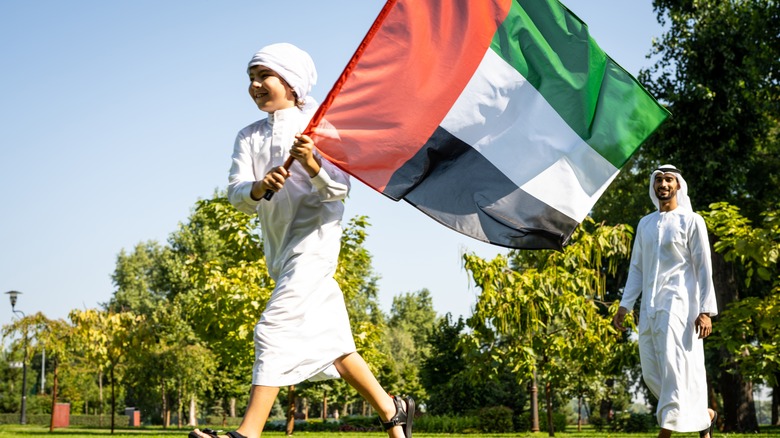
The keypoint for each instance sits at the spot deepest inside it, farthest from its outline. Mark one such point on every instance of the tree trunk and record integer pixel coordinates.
(290, 410)
(100, 398)
(165, 416)
(534, 405)
(324, 406)
(548, 398)
(579, 413)
(306, 409)
(738, 407)
(605, 407)
(232, 407)
(53, 395)
(776, 402)
(180, 410)
(113, 399)
(193, 412)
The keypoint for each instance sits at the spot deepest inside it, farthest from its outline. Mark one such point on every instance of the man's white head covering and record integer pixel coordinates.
(294, 65)
(683, 201)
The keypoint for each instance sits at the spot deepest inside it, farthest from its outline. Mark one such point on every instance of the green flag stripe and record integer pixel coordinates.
(600, 101)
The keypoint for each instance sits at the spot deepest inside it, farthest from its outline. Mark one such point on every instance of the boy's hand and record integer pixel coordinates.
(273, 181)
(303, 151)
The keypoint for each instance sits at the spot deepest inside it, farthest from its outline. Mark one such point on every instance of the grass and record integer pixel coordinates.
(30, 431)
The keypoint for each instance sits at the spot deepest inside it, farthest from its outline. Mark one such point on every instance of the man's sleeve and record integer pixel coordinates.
(634, 282)
(702, 265)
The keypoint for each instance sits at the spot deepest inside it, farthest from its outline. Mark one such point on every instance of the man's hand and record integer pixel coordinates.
(703, 325)
(619, 319)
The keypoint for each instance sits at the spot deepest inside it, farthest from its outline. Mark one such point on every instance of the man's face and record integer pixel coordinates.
(665, 186)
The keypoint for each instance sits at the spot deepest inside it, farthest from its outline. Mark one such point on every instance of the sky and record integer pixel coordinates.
(116, 117)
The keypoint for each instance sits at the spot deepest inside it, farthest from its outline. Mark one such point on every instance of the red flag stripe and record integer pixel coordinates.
(398, 91)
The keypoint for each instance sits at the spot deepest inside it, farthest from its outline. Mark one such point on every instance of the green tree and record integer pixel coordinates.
(183, 365)
(716, 69)
(412, 319)
(214, 267)
(543, 317)
(456, 387)
(746, 329)
(103, 339)
(39, 333)
(137, 280)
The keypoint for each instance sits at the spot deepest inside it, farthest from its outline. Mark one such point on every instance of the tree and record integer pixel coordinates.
(544, 318)
(213, 271)
(41, 333)
(412, 319)
(454, 385)
(103, 339)
(746, 329)
(137, 280)
(716, 69)
(183, 365)
(214, 267)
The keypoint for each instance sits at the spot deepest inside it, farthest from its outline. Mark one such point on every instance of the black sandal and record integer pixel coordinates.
(403, 417)
(215, 433)
(711, 429)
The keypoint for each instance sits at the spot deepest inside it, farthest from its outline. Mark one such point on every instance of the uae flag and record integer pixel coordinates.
(501, 119)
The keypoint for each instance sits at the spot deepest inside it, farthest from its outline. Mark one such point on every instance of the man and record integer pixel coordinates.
(672, 269)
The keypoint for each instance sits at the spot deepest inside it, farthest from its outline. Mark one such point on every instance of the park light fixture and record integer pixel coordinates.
(14, 295)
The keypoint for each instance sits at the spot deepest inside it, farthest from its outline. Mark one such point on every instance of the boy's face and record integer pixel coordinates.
(269, 91)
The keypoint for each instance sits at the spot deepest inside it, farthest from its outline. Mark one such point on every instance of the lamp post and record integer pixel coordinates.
(13, 295)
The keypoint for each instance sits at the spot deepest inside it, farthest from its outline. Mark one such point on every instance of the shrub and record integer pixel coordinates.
(523, 422)
(216, 420)
(446, 424)
(496, 419)
(596, 421)
(359, 423)
(95, 420)
(634, 422)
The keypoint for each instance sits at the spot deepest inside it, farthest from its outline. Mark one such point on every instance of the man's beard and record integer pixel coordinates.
(669, 195)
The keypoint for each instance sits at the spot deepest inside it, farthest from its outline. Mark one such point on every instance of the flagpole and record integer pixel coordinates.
(270, 193)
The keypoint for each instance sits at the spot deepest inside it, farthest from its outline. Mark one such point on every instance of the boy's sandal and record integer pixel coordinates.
(403, 416)
(710, 429)
(215, 433)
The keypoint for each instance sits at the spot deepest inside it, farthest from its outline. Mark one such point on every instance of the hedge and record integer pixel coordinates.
(75, 420)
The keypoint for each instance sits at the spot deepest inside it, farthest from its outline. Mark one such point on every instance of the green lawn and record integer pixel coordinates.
(29, 431)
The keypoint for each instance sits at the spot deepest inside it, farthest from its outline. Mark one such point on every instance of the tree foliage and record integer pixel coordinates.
(542, 316)
(716, 69)
(748, 328)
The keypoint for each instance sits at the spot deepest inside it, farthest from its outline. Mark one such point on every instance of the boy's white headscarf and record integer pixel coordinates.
(294, 65)
(683, 201)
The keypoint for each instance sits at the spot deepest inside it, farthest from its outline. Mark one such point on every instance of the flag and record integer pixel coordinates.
(501, 119)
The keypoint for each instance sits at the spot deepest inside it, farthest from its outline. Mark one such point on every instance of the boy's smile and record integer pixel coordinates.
(269, 91)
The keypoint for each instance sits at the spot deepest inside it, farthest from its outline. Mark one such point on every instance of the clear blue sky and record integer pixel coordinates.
(115, 117)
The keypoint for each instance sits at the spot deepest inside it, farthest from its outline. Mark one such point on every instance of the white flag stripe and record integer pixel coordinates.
(505, 118)
(558, 187)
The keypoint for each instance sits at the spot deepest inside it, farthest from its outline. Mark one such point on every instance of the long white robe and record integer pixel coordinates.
(672, 268)
(305, 326)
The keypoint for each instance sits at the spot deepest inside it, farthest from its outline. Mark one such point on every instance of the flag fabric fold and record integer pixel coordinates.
(501, 119)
